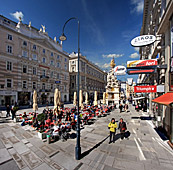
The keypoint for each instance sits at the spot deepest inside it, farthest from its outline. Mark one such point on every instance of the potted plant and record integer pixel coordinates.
(41, 118)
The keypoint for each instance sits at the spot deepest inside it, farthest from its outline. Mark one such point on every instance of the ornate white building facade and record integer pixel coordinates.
(30, 59)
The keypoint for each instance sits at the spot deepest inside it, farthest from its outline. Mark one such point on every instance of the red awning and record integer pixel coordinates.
(165, 99)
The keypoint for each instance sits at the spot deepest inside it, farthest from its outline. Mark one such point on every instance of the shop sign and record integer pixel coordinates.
(142, 63)
(171, 88)
(57, 82)
(145, 89)
(149, 71)
(143, 40)
(120, 70)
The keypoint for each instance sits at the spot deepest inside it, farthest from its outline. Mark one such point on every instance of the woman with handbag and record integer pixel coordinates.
(112, 126)
(122, 127)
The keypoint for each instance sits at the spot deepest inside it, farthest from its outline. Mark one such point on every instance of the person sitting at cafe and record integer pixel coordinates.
(24, 116)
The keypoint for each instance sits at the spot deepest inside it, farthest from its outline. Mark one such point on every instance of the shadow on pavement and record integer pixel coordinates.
(88, 151)
(143, 117)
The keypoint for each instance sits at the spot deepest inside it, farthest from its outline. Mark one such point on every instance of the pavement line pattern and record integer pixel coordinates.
(164, 146)
(134, 131)
(141, 157)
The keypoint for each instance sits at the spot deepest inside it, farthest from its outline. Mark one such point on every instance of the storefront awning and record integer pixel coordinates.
(165, 99)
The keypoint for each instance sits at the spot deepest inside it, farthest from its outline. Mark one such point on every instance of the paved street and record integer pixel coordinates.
(20, 148)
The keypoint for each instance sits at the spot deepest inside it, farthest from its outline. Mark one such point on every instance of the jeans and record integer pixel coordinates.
(112, 134)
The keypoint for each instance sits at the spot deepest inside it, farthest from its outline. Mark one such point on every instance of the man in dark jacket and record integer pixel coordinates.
(8, 111)
(122, 127)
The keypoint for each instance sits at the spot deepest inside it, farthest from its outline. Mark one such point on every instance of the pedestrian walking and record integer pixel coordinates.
(121, 107)
(112, 126)
(8, 110)
(122, 127)
(13, 112)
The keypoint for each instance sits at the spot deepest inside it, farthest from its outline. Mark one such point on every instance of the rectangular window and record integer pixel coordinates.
(44, 51)
(51, 86)
(44, 73)
(24, 84)
(9, 83)
(65, 77)
(58, 77)
(51, 54)
(9, 49)
(24, 69)
(58, 65)
(65, 59)
(43, 86)
(44, 60)
(34, 85)
(65, 88)
(51, 63)
(24, 43)
(24, 54)
(34, 47)
(10, 37)
(65, 66)
(9, 66)
(58, 57)
(34, 56)
(34, 71)
(51, 74)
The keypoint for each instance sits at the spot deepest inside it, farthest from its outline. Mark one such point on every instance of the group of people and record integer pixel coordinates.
(125, 107)
(113, 126)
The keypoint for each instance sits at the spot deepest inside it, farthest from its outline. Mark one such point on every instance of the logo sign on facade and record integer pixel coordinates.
(145, 89)
(149, 71)
(143, 40)
(120, 70)
(142, 63)
(57, 82)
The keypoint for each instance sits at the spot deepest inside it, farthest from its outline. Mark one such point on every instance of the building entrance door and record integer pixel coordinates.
(8, 100)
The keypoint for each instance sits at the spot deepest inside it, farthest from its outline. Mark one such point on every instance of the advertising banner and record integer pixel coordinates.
(145, 89)
(142, 63)
(149, 71)
(143, 40)
(120, 70)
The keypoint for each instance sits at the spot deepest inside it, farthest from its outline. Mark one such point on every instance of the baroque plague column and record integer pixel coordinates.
(112, 88)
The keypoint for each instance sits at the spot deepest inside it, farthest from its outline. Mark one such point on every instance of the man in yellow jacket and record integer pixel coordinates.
(112, 126)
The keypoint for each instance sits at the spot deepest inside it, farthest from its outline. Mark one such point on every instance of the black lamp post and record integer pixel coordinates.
(63, 38)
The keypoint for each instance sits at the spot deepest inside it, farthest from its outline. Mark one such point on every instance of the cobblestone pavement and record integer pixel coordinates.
(20, 147)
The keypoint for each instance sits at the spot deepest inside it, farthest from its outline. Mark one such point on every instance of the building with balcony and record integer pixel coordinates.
(158, 21)
(92, 78)
(30, 60)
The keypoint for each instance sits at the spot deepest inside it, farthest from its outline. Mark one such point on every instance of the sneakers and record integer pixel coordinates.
(109, 142)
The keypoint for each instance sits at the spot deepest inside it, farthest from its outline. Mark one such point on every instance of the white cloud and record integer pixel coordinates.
(17, 14)
(134, 55)
(103, 66)
(112, 55)
(138, 6)
(136, 49)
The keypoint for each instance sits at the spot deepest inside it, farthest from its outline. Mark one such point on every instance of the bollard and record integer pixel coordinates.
(48, 139)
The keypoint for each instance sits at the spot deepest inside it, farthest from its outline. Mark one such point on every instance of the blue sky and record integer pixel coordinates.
(106, 26)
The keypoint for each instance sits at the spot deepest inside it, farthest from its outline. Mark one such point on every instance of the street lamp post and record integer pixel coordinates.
(63, 38)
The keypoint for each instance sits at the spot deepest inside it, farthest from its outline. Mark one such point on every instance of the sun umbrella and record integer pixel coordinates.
(75, 98)
(59, 100)
(104, 98)
(86, 98)
(95, 98)
(80, 99)
(35, 107)
(56, 95)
